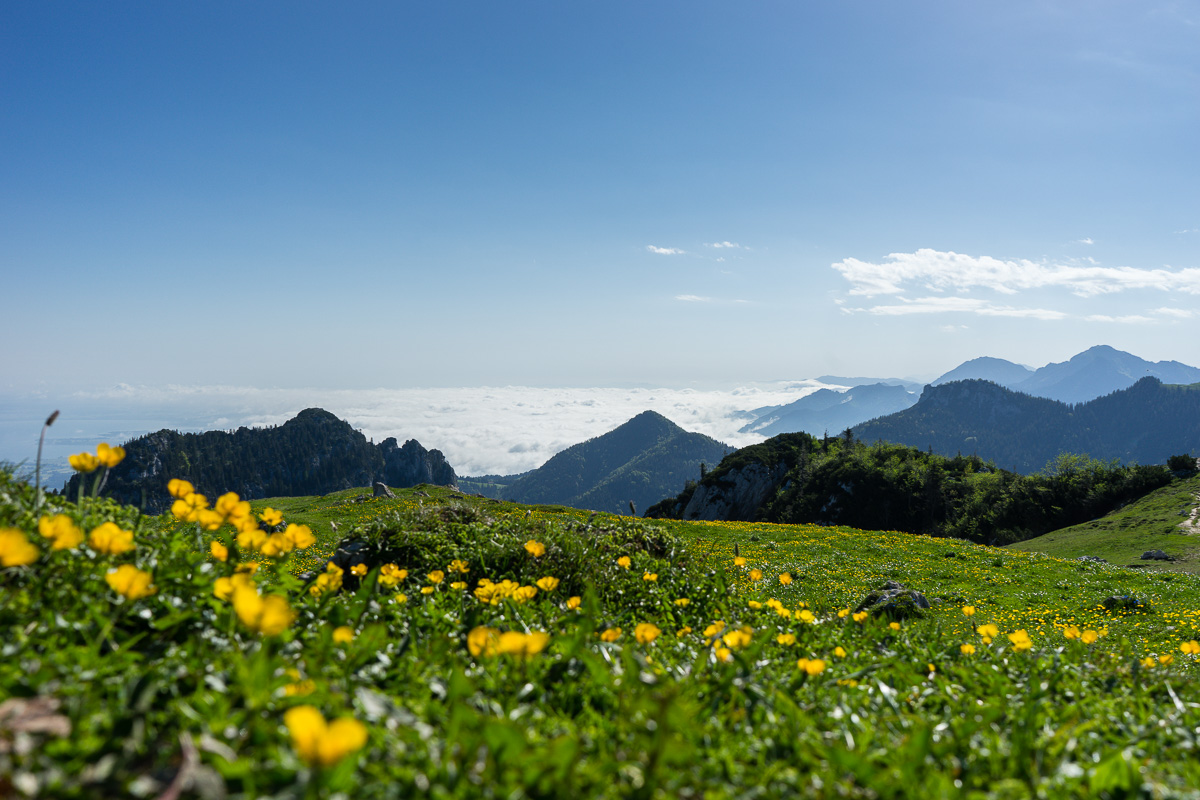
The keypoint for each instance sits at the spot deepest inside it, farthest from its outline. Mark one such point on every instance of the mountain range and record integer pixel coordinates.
(639, 462)
(1093, 373)
(310, 454)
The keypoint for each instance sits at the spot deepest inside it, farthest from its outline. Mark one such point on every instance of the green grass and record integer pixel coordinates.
(1150, 523)
(175, 689)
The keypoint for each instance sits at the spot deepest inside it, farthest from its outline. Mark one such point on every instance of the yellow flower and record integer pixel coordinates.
(15, 549)
(811, 666)
(723, 654)
(437, 576)
(109, 456)
(1020, 640)
(785, 578)
(754, 604)
(428, 589)
(547, 584)
(209, 520)
(843, 613)
(522, 645)
(968, 611)
(967, 649)
(756, 574)
(223, 587)
(300, 688)
(839, 651)
(219, 551)
(301, 536)
(1191, 648)
(535, 549)
(319, 743)
(624, 561)
(343, 634)
(457, 565)
(988, 632)
(611, 635)
(1149, 663)
(179, 488)
(714, 629)
(231, 507)
(188, 508)
(390, 574)
(683, 601)
(254, 539)
(458, 586)
(684, 631)
(806, 616)
(401, 597)
(62, 532)
(786, 639)
(736, 640)
(359, 570)
(573, 603)
(271, 517)
(646, 632)
(739, 561)
(1167, 659)
(650, 576)
(482, 641)
(276, 544)
(83, 462)
(130, 582)
(524, 594)
(1071, 632)
(859, 616)
(270, 615)
(894, 626)
(107, 538)
(1088, 637)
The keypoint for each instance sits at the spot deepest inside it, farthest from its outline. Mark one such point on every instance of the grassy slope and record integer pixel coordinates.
(835, 567)
(1151, 523)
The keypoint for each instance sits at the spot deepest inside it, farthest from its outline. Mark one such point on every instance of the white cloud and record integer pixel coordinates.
(940, 271)
(481, 430)
(970, 305)
(1085, 240)
(1126, 319)
(693, 298)
(665, 251)
(723, 244)
(1177, 313)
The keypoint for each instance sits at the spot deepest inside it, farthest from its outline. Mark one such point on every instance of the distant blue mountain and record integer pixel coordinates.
(996, 370)
(1099, 371)
(830, 411)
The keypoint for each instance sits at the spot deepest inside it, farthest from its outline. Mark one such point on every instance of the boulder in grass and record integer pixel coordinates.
(1092, 559)
(1156, 555)
(381, 490)
(894, 601)
(1126, 602)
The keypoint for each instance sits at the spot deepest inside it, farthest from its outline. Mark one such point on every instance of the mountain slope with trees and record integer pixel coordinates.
(647, 458)
(1146, 423)
(311, 454)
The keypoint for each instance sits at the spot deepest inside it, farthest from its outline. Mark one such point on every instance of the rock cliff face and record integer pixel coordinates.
(412, 464)
(737, 494)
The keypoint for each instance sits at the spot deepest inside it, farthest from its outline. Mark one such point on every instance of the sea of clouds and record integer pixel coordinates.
(481, 430)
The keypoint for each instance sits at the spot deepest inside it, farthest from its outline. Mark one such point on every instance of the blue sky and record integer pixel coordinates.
(363, 195)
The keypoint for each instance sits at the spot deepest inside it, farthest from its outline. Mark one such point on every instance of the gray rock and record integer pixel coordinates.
(381, 490)
(1156, 555)
(893, 600)
(737, 495)
(1125, 602)
(1092, 559)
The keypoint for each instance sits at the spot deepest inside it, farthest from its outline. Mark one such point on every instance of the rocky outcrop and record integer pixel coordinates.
(412, 464)
(737, 494)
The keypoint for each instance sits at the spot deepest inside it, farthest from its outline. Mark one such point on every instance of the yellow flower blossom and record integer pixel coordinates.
(684, 631)
(611, 635)
(650, 576)
(860, 616)
(458, 565)
(270, 615)
(682, 601)
(359, 569)
(83, 462)
(1167, 659)
(1089, 637)
(428, 589)
(271, 517)
(15, 549)
(736, 640)
(786, 639)
(219, 551)
(343, 634)
(319, 743)
(130, 582)
(839, 651)
(255, 539)
(188, 507)
(1071, 632)
(390, 574)
(806, 616)
(714, 629)
(535, 549)
(811, 666)
(223, 587)
(62, 532)
(1190, 648)
(968, 611)
(646, 632)
(109, 456)
(481, 641)
(756, 574)
(843, 613)
(785, 578)
(967, 649)
(110, 540)
(548, 583)
(522, 645)
(231, 507)
(624, 561)
(739, 561)
(894, 626)
(754, 604)
(301, 536)
(1020, 640)
(179, 488)
(524, 594)
(458, 586)
(573, 603)
(437, 576)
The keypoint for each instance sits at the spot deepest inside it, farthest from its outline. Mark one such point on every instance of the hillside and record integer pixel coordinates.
(312, 453)
(1099, 371)
(645, 459)
(986, 368)
(1157, 521)
(1146, 423)
(491, 649)
(794, 478)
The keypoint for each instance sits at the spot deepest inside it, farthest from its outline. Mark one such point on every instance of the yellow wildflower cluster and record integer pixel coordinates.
(15, 549)
(321, 743)
(106, 456)
(328, 581)
(130, 582)
(485, 641)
